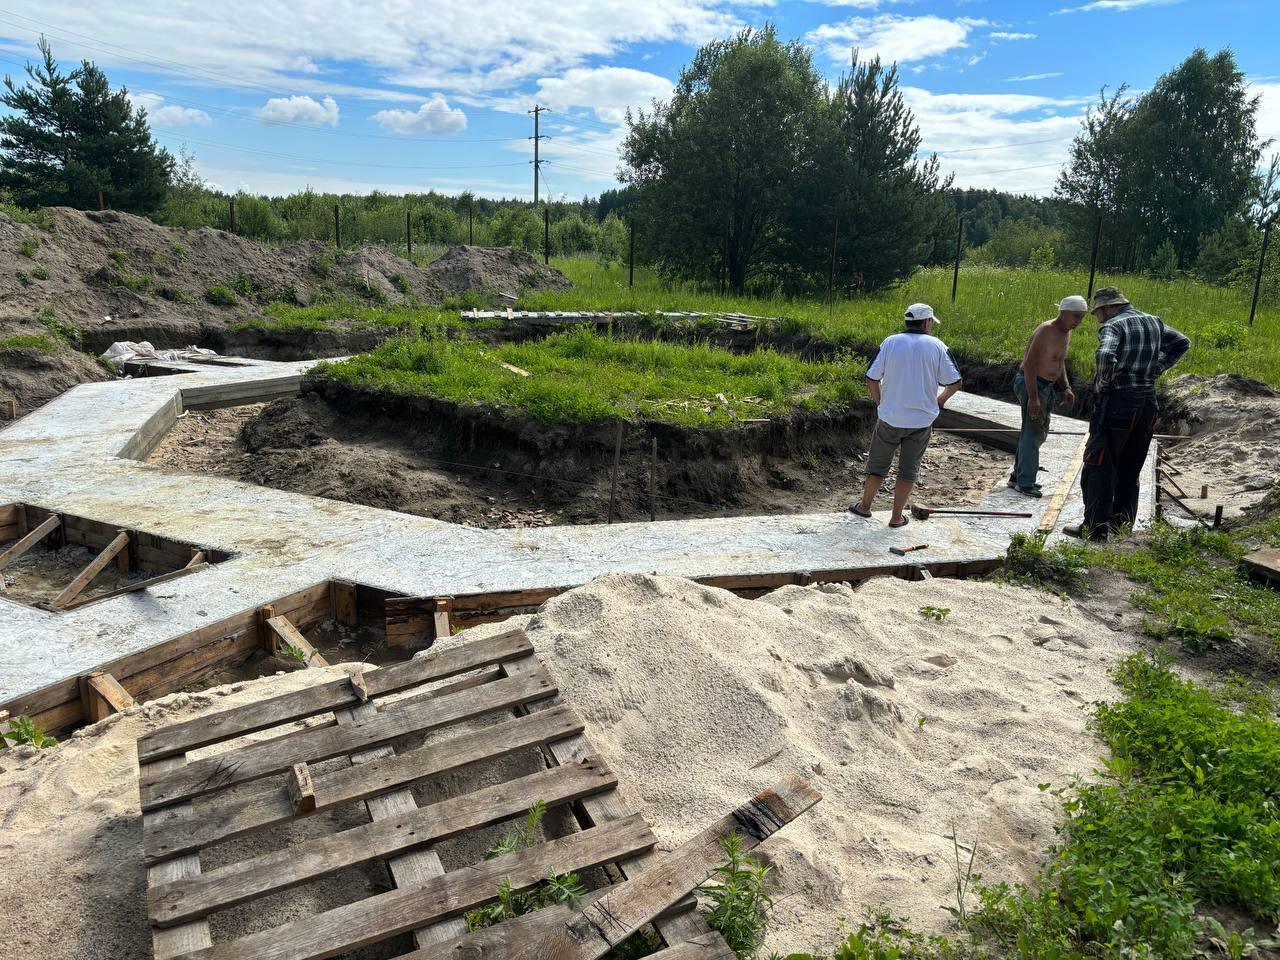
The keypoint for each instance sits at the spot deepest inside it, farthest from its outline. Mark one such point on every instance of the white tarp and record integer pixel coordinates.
(123, 350)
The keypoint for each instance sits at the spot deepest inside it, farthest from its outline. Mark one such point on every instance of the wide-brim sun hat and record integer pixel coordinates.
(1109, 296)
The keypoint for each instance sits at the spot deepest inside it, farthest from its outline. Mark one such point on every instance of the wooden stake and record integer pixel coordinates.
(1204, 491)
(337, 227)
(408, 233)
(1217, 517)
(613, 482)
(12, 406)
(140, 585)
(444, 607)
(197, 558)
(102, 695)
(89, 573)
(302, 789)
(283, 631)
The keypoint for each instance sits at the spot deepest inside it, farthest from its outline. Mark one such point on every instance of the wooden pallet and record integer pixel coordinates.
(192, 803)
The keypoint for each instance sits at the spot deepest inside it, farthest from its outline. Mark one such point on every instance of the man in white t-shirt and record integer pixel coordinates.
(903, 381)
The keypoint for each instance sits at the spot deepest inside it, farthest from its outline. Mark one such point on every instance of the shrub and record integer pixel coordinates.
(29, 247)
(323, 263)
(221, 296)
(740, 901)
(117, 256)
(1043, 257)
(40, 272)
(1224, 335)
(22, 731)
(401, 283)
(1164, 262)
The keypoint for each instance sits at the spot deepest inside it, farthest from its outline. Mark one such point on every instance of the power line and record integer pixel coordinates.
(998, 146)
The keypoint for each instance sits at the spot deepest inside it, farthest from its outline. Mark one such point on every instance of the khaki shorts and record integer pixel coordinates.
(885, 440)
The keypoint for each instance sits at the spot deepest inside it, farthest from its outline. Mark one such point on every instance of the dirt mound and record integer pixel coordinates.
(1235, 445)
(492, 270)
(34, 375)
(913, 730)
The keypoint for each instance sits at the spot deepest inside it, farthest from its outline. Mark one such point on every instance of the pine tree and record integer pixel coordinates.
(71, 136)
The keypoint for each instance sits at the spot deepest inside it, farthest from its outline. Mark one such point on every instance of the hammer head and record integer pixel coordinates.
(920, 513)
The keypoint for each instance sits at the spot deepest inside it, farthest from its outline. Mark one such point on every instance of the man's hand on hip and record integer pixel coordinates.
(1034, 406)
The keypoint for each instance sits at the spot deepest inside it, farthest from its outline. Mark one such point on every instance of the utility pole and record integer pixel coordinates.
(537, 138)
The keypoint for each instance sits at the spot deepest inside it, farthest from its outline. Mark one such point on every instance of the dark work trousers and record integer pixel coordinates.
(1119, 437)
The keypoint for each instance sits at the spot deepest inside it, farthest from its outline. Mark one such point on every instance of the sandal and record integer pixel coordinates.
(856, 510)
(902, 523)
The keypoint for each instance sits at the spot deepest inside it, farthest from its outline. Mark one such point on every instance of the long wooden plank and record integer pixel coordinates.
(310, 746)
(232, 815)
(90, 572)
(30, 540)
(237, 883)
(562, 933)
(140, 585)
(1051, 513)
(451, 895)
(436, 665)
(705, 946)
(190, 936)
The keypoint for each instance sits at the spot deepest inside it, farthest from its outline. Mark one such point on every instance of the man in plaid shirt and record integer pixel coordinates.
(1134, 348)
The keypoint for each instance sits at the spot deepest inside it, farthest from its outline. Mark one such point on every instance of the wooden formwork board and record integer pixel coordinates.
(191, 804)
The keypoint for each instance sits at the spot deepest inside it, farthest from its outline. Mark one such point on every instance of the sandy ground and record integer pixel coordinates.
(393, 473)
(1235, 445)
(914, 730)
(39, 575)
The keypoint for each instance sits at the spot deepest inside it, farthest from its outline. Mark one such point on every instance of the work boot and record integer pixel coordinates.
(1030, 491)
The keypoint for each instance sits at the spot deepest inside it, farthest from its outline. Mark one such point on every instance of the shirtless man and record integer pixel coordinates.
(1037, 385)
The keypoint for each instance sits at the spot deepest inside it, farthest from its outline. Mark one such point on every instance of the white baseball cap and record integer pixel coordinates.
(1075, 303)
(921, 311)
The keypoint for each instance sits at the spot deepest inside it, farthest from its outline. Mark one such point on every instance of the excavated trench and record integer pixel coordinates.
(488, 467)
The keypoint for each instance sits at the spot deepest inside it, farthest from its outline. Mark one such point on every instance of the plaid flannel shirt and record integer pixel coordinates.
(1134, 348)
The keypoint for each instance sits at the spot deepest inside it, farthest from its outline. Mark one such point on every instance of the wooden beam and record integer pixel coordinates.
(450, 895)
(394, 720)
(343, 597)
(443, 607)
(102, 695)
(95, 567)
(437, 665)
(191, 936)
(562, 933)
(302, 791)
(140, 585)
(197, 559)
(30, 540)
(286, 633)
(1051, 513)
(227, 818)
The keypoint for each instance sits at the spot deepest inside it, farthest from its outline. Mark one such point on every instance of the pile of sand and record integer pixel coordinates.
(697, 698)
(909, 727)
(1235, 445)
(492, 270)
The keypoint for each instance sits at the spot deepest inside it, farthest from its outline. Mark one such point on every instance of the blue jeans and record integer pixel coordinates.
(1026, 464)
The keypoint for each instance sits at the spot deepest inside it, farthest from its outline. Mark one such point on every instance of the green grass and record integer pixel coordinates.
(1184, 816)
(584, 377)
(221, 295)
(37, 341)
(994, 314)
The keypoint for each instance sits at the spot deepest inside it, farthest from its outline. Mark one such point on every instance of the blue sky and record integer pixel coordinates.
(273, 96)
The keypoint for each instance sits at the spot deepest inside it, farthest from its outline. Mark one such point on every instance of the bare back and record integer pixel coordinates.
(1046, 353)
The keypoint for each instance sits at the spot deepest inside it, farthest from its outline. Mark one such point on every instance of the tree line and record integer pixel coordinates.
(757, 174)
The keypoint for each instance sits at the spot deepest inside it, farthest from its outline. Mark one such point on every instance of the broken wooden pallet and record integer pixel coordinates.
(257, 770)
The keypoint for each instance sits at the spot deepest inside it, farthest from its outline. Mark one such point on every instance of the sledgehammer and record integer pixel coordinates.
(924, 513)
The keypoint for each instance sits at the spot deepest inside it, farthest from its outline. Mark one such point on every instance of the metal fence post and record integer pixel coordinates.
(955, 277)
(1262, 262)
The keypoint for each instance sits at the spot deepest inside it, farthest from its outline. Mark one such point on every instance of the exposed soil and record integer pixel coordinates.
(102, 276)
(486, 468)
(39, 575)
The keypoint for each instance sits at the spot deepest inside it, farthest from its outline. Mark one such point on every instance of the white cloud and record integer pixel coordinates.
(607, 91)
(434, 116)
(479, 47)
(169, 116)
(1268, 118)
(1032, 76)
(1006, 141)
(893, 38)
(1004, 35)
(299, 109)
(1120, 5)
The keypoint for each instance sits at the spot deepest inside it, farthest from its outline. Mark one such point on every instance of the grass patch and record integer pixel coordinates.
(221, 295)
(29, 247)
(584, 377)
(995, 312)
(35, 341)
